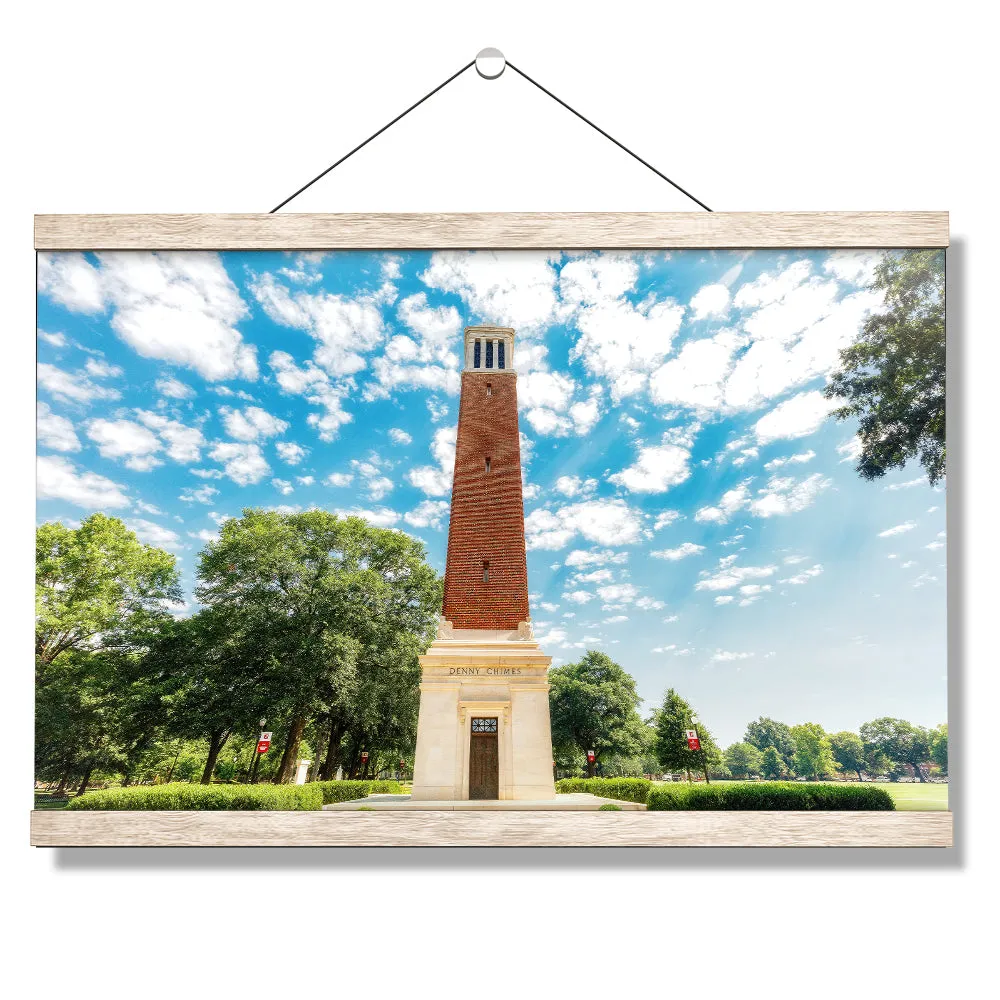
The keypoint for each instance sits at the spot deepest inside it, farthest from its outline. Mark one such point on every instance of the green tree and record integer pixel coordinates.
(893, 376)
(772, 765)
(848, 751)
(939, 747)
(593, 706)
(766, 733)
(98, 585)
(744, 759)
(813, 755)
(899, 741)
(334, 605)
(674, 717)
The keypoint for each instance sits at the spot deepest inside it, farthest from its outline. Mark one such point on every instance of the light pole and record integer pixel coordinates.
(256, 757)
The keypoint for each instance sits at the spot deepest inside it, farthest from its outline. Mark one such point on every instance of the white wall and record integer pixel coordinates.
(207, 107)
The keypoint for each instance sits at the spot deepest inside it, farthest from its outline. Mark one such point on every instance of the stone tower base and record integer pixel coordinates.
(479, 673)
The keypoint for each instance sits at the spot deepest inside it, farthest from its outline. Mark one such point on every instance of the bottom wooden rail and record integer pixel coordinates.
(50, 828)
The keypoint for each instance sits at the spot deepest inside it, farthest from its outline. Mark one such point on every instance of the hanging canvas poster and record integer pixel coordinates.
(486, 527)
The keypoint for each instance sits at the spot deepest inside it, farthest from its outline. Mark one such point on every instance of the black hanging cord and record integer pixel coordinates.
(440, 86)
(521, 73)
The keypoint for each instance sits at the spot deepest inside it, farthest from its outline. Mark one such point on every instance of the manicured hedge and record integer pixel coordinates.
(181, 795)
(764, 795)
(625, 789)
(344, 791)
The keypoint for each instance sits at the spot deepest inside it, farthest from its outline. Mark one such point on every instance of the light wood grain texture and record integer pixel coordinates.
(547, 230)
(51, 828)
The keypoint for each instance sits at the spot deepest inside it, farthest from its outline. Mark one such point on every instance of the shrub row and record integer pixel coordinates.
(765, 795)
(181, 795)
(624, 789)
(344, 791)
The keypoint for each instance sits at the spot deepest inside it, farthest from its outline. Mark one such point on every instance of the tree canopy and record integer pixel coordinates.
(671, 720)
(813, 754)
(898, 741)
(892, 378)
(766, 733)
(593, 706)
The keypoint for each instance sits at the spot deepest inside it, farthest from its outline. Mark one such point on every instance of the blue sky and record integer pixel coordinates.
(690, 506)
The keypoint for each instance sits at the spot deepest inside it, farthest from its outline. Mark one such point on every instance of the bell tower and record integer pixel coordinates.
(484, 729)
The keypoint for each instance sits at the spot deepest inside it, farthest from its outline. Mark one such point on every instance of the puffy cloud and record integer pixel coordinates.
(55, 431)
(724, 599)
(732, 502)
(919, 481)
(251, 423)
(725, 656)
(777, 463)
(436, 480)
(370, 471)
(380, 517)
(243, 463)
(595, 557)
(898, 529)
(854, 266)
(55, 339)
(850, 449)
(314, 384)
(339, 479)
(665, 518)
(58, 479)
(508, 288)
(175, 307)
(153, 534)
(578, 596)
(618, 593)
(681, 552)
(290, 452)
(573, 486)
(283, 486)
(655, 469)
(123, 439)
(428, 514)
(184, 443)
(710, 300)
(794, 418)
(98, 368)
(200, 494)
(305, 480)
(788, 496)
(696, 377)
(344, 328)
(398, 436)
(604, 522)
(173, 388)
(70, 387)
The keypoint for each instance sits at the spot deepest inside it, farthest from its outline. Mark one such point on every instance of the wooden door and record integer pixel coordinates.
(484, 760)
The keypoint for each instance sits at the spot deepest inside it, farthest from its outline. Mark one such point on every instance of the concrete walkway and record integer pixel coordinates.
(577, 801)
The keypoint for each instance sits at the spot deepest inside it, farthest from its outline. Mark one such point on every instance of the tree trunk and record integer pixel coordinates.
(329, 768)
(63, 782)
(858, 769)
(170, 773)
(86, 780)
(920, 773)
(591, 767)
(215, 744)
(287, 766)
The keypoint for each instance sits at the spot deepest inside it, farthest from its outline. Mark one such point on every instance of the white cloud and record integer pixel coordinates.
(794, 418)
(898, 529)
(857, 267)
(725, 656)
(724, 599)
(788, 496)
(732, 501)
(805, 576)
(314, 384)
(370, 471)
(398, 436)
(251, 423)
(380, 517)
(203, 535)
(55, 431)
(512, 288)
(850, 449)
(933, 546)
(578, 596)
(437, 409)
(123, 439)
(55, 339)
(428, 514)
(305, 480)
(175, 307)
(283, 486)
(615, 620)
(594, 576)
(436, 480)
(339, 479)
(665, 518)
(200, 494)
(184, 443)
(681, 552)
(618, 593)
(696, 377)
(98, 368)
(147, 508)
(595, 557)
(153, 534)
(70, 387)
(574, 486)
(655, 469)
(244, 463)
(710, 300)
(173, 388)
(604, 522)
(58, 479)
(729, 575)
(344, 328)
(919, 481)
(649, 604)
(777, 463)
(290, 452)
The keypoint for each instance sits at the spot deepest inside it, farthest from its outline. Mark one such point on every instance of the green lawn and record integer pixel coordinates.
(913, 797)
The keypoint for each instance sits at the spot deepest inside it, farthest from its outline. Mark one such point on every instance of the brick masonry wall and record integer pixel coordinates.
(487, 509)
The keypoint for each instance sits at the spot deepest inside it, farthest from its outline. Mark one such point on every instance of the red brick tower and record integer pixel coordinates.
(486, 577)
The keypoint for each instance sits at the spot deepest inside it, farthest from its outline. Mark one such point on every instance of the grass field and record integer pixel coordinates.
(913, 797)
